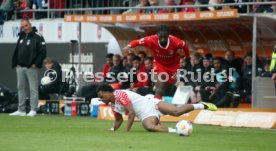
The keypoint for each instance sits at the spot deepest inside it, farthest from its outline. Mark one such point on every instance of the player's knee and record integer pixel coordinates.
(150, 128)
(176, 113)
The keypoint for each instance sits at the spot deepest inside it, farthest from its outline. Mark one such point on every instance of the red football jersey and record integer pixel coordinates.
(167, 56)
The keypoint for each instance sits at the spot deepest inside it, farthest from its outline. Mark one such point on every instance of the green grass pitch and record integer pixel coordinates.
(62, 133)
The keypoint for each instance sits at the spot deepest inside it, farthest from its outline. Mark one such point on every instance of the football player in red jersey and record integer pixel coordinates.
(166, 50)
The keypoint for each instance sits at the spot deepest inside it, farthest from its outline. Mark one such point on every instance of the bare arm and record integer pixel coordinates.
(118, 122)
(139, 42)
(184, 49)
(128, 49)
(131, 116)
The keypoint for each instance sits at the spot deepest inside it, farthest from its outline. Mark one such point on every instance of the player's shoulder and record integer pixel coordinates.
(120, 93)
(174, 37)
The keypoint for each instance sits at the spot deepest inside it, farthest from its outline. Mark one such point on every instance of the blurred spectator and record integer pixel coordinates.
(213, 2)
(194, 68)
(38, 4)
(195, 72)
(188, 2)
(266, 72)
(273, 66)
(206, 82)
(148, 63)
(115, 3)
(24, 5)
(232, 61)
(219, 94)
(203, 2)
(142, 4)
(97, 4)
(184, 63)
(6, 10)
(115, 70)
(57, 4)
(124, 62)
(130, 58)
(168, 10)
(260, 8)
(142, 55)
(142, 74)
(241, 8)
(152, 10)
(109, 64)
(149, 88)
(246, 78)
(228, 2)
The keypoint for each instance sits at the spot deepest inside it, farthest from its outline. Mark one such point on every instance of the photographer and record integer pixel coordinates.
(52, 80)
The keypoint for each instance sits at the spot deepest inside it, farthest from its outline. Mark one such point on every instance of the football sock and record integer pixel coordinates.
(171, 130)
(198, 106)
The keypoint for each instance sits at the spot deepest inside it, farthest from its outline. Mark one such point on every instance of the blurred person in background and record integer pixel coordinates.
(246, 78)
(188, 9)
(24, 5)
(109, 64)
(273, 66)
(152, 10)
(168, 10)
(141, 73)
(57, 4)
(6, 10)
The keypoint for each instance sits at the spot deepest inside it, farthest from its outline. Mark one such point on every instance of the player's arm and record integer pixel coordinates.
(131, 116)
(184, 48)
(139, 42)
(118, 121)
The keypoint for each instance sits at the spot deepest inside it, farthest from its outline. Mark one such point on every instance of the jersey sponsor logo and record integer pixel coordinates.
(164, 57)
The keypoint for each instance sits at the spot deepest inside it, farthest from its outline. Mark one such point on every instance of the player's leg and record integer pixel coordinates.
(160, 86)
(173, 110)
(152, 124)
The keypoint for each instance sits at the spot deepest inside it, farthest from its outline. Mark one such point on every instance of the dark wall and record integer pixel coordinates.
(59, 52)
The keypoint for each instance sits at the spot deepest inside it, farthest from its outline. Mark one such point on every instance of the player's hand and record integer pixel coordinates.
(128, 48)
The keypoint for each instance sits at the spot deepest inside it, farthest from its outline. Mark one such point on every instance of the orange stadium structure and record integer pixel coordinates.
(206, 31)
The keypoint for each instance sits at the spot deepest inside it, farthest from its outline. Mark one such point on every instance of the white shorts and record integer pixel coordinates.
(147, 108)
